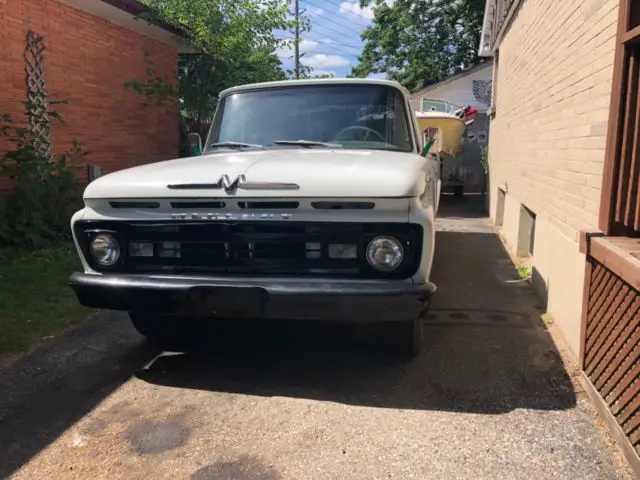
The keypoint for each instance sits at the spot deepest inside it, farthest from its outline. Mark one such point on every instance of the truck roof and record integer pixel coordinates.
(314, 81)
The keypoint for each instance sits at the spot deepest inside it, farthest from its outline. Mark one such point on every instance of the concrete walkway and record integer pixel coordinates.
(489, 398)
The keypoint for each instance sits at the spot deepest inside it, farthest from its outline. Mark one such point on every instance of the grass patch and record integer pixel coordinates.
(546, 319)
(523, 268)
(36, 300)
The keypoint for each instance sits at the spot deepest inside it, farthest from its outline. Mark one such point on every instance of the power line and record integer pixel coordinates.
(344, 35)
(330, 43)
(332, 50)
(325, 42)
(334, 18)
(352, 12)
(297, 37)
(337, 50)
(356, 14)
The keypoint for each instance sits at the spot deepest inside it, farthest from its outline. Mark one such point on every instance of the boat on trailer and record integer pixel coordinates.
(443, 125)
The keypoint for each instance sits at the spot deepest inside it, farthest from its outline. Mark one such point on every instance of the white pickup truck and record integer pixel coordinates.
(310, 200)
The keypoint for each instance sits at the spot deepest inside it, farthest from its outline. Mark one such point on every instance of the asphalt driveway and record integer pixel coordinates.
(489, 398)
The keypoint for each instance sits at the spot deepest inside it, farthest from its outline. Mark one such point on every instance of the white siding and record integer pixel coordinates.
(458, 91)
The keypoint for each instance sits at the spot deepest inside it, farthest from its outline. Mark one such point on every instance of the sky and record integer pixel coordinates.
(333, 44)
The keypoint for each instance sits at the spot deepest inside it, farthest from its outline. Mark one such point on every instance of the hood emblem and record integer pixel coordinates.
(231, 186)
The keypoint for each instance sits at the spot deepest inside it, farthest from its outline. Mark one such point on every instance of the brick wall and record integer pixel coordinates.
(546, 149)
(552, 105)
(88, 59)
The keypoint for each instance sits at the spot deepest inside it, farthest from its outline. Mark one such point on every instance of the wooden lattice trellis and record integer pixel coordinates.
(612, 347)
(37, 93)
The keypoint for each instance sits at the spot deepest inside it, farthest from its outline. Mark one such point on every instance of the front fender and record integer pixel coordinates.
(79, 215)
(422, 212)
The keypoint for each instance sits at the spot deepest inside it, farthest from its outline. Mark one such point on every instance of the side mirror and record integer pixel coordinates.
(195, 143)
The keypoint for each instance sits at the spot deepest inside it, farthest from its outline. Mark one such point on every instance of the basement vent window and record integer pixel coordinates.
(500, 207)
(527, 232)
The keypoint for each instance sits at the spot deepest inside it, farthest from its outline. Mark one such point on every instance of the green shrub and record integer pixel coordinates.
(46, 190)
(484, 159)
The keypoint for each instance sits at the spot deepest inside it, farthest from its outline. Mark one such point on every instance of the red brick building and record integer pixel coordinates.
(92, 47)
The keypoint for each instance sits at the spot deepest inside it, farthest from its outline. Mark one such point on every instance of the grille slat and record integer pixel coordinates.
(196, 204)
(256, 248)
(269, 205)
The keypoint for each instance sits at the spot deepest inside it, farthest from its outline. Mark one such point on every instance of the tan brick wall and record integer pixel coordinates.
(547, 140)
(554, 77)
(88, 60)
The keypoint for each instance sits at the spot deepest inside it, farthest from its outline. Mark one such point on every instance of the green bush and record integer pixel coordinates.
(484, 159)
(46, 190)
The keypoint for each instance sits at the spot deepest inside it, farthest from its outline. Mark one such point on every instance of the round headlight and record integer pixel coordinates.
(384, 253)
(105, 249)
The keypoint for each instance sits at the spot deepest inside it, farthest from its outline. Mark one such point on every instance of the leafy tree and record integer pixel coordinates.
(421, 42)
(324, 75)
(225, 29)
(234, 43)
(202, 77)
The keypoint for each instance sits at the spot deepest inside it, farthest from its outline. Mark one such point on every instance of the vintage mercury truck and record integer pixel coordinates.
(310, 200)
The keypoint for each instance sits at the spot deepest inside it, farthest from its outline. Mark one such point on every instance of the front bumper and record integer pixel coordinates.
(283, 299)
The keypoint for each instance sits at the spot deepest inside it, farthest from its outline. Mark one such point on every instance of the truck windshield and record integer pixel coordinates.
(314, 116)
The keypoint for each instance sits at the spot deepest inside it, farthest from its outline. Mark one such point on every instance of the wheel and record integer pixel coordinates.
(405, 338)
(159, 330)
(458, 190)
(410, 336)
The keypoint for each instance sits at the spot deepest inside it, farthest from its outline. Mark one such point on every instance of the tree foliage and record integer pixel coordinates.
(421, 42)
(235, 38)
(324, 75)
(156, 88)
(203, 77)
(226, 29)
(233, 43)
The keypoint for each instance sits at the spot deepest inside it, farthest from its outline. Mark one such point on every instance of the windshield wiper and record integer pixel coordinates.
(307, 143)
(237, 145)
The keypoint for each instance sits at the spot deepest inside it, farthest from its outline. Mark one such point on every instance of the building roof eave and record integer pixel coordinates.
(485, 49)
(493, 30)
(453, 78)
(125, 13)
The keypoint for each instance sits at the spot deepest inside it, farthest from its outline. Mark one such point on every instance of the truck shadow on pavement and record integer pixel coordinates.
(53, 387)
(485, 350)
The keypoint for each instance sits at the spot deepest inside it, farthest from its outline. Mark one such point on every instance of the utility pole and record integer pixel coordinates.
(297, 39)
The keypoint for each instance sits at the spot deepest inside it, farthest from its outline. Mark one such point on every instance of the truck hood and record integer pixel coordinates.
(271, 173)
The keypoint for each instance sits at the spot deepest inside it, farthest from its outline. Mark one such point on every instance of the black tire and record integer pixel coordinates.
(458, 190)
(405, 339)
(410, 339)
(160, 331)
